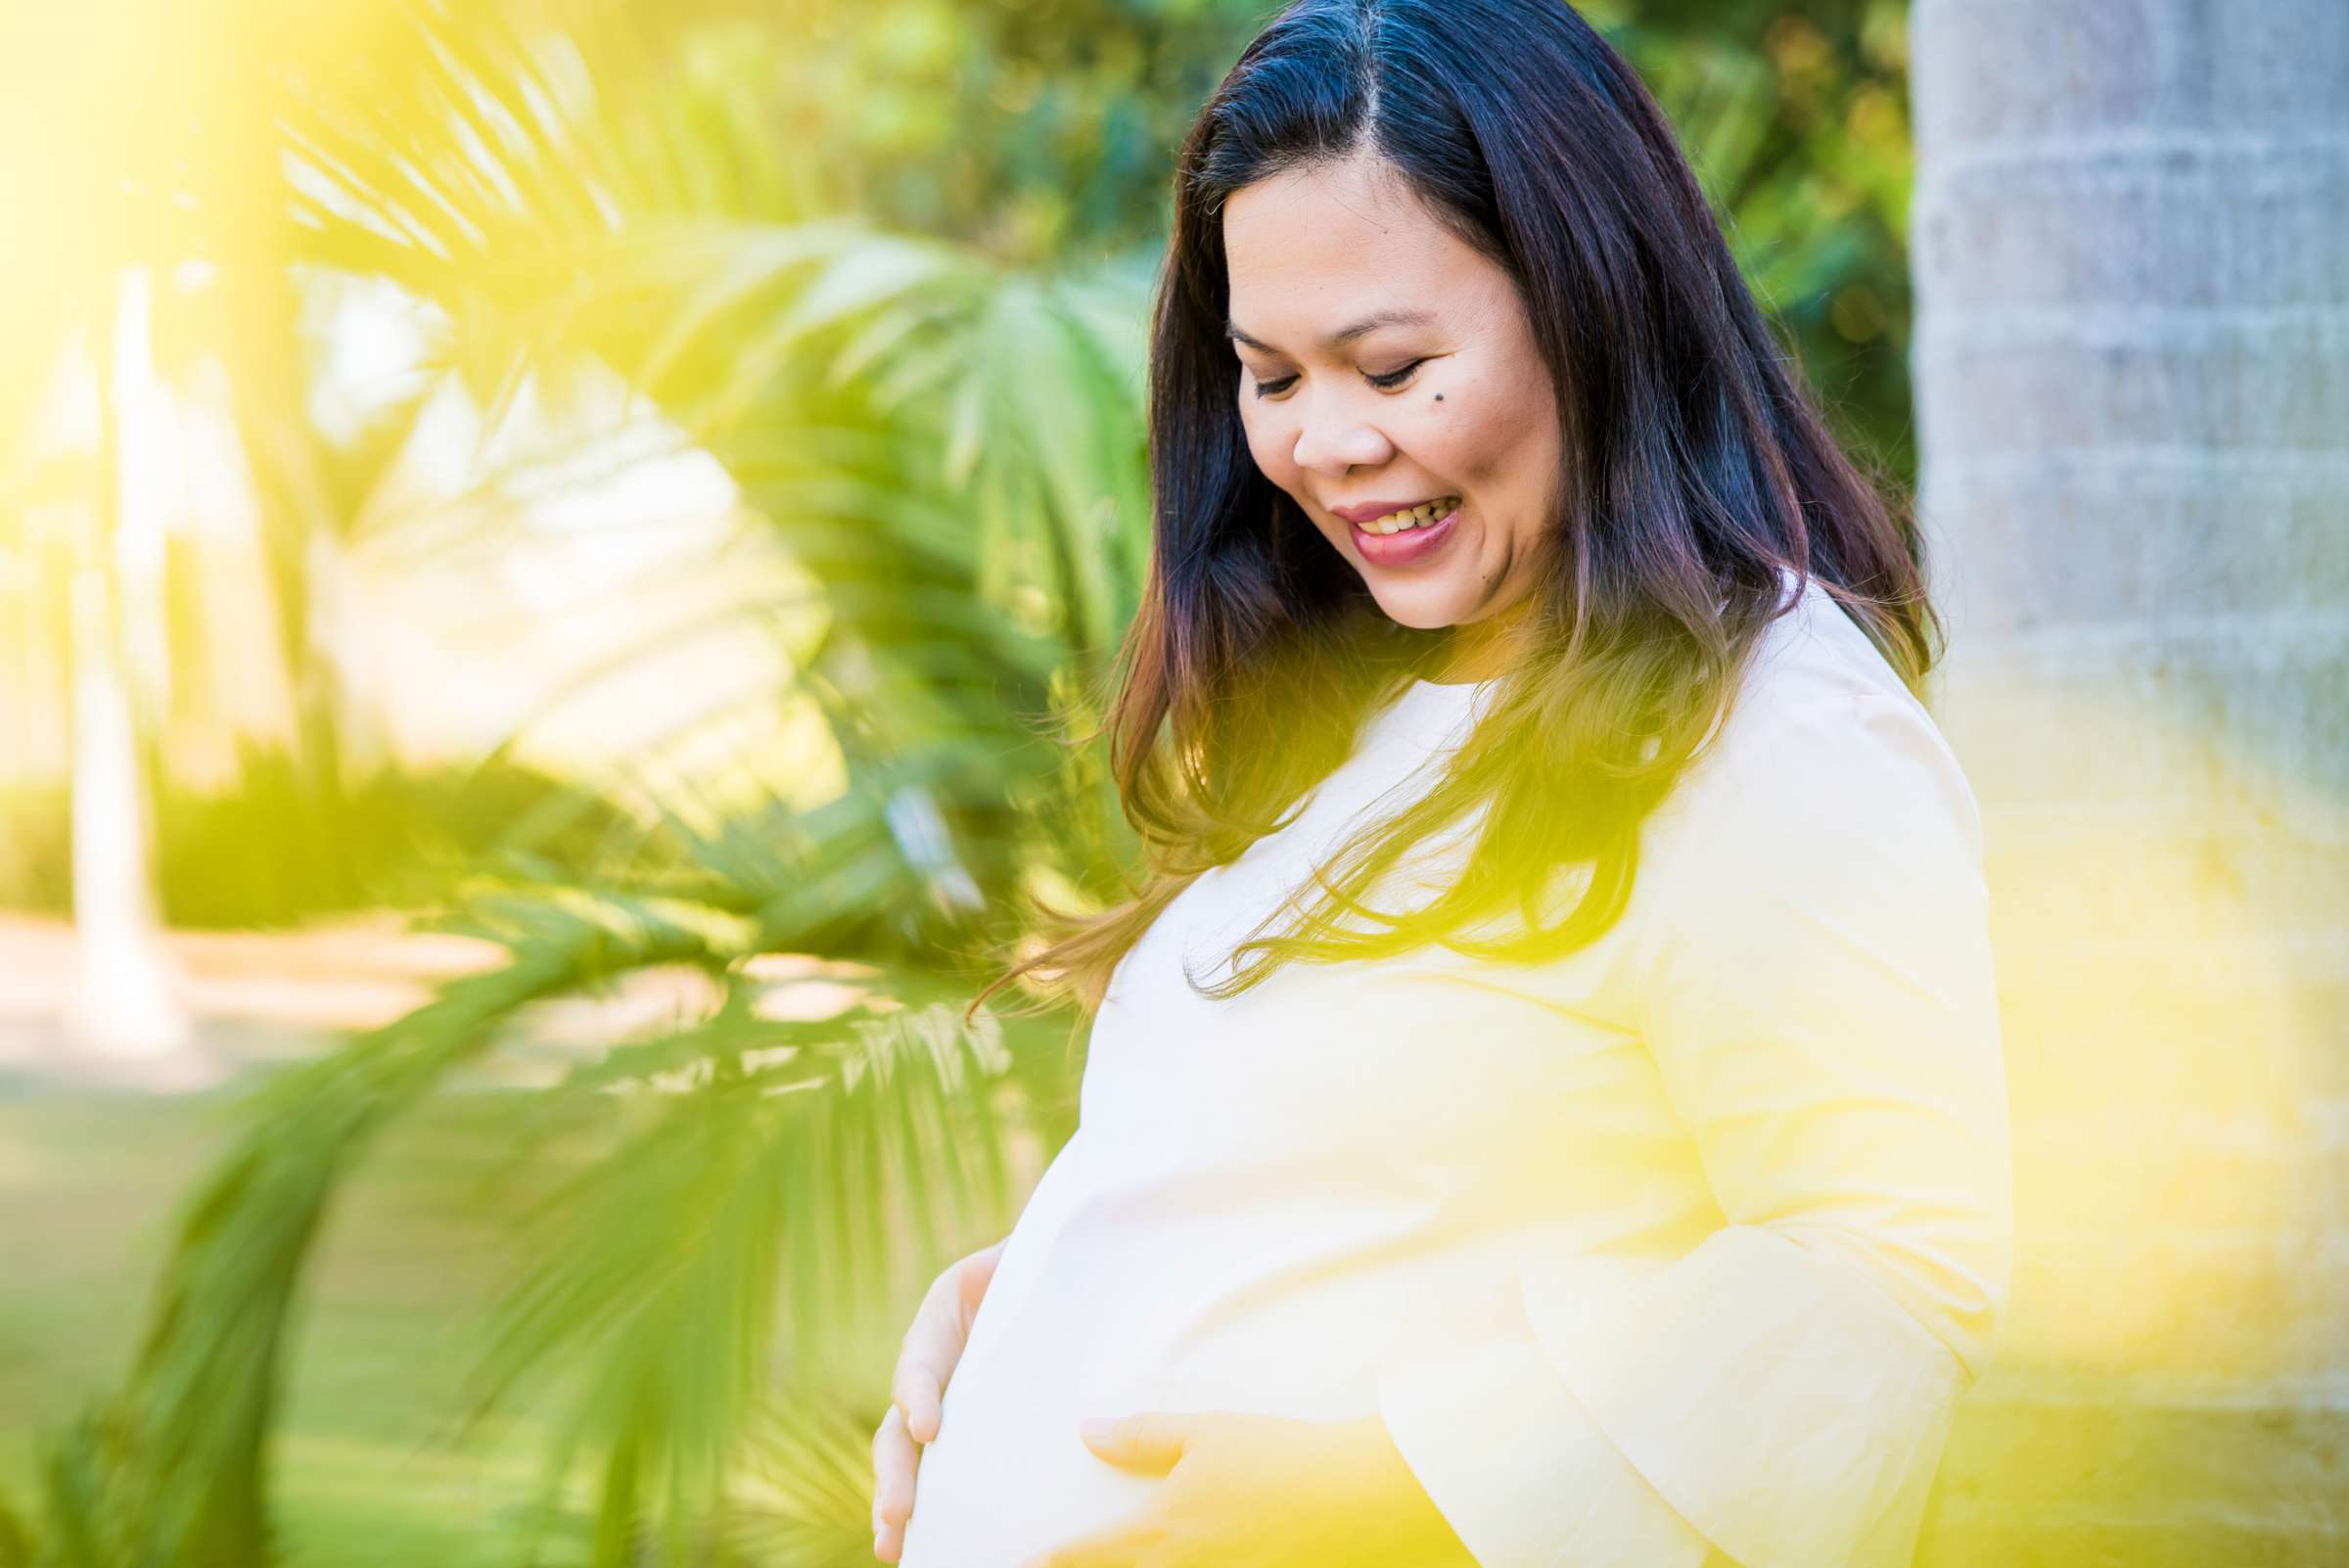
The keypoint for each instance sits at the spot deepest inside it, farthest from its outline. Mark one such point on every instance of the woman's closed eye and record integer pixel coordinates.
(1384, 383)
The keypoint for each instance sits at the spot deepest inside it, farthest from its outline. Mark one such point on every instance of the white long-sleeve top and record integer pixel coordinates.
(1678, 1251)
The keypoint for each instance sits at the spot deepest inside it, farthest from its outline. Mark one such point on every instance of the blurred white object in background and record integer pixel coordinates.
(123, 1003)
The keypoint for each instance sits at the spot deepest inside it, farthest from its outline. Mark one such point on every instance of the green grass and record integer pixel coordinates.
(366, 1470)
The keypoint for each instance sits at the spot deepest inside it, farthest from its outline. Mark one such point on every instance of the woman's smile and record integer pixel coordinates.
(1393, 543)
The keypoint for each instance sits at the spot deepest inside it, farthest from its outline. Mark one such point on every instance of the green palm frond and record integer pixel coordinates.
(176, 1458)
(951, 453)
(662, 1266)
(803, 1495)
(745, 1207)
(950, 449)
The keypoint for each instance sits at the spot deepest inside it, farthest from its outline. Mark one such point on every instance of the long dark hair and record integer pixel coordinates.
(1698, 481)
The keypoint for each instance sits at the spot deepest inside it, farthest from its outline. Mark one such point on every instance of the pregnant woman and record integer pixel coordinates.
(1544, 1106)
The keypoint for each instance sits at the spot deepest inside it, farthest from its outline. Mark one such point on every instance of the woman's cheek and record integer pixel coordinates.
(1262, 446)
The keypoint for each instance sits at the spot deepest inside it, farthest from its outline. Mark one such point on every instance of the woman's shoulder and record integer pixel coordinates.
(1824, 741)
(1816, 653)
(1825, 827)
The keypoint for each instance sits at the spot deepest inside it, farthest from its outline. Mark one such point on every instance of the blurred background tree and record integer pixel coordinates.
(2132, 247)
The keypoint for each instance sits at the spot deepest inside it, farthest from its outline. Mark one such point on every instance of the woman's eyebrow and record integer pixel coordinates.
(1344, 334)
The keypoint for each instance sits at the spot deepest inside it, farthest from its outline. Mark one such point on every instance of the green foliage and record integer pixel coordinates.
(750, 1141)
(1796, 120)
(264, 851)
(16, 1542)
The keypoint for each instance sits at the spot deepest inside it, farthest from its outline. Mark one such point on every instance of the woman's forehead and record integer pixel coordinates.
(1323, 248)
(1316, 297)
(1346, 205)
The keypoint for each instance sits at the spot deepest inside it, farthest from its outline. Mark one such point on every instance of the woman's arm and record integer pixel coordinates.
(1822, 1008)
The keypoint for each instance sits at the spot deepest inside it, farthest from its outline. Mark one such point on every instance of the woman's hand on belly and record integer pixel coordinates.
(942, 1327)
(1263, 1492)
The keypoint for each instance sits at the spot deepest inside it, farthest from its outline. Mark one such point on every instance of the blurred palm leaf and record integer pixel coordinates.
(804, 1493)
(953, 453)
(745, 1207)
(661, 1269)
(952, 450)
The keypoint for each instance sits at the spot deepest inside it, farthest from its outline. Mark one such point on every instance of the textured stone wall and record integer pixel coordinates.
(2130, 248)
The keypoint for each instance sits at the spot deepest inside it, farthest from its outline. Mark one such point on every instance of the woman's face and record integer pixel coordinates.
(1386, 364)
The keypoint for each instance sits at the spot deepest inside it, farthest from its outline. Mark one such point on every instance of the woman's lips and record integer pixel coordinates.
(1409, 546)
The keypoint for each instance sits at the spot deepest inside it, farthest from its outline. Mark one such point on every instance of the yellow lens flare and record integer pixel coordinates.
(2156, 912)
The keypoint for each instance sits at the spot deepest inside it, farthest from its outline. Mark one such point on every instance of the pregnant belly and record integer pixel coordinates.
(1008, 1476)
(1269, 1282)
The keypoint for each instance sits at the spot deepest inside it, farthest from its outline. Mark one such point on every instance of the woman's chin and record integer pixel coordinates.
(1421, 611)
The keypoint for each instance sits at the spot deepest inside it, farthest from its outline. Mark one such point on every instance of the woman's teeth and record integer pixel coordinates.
(1413, 517)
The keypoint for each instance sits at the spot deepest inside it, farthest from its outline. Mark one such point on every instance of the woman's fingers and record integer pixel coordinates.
(918, 1392)
(895, 1459)
(942, 1327)
(972, 1277)
(927, 1355)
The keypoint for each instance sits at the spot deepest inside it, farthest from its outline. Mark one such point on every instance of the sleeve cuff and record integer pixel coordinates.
(1517, 1466)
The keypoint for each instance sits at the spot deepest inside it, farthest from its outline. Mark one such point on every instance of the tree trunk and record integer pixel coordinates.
(2131, 249)
(122, 1013)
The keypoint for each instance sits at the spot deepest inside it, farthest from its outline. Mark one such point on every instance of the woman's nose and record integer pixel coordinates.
(1334, 439)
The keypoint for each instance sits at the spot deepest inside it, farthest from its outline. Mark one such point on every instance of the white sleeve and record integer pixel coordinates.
(1821, 1005)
